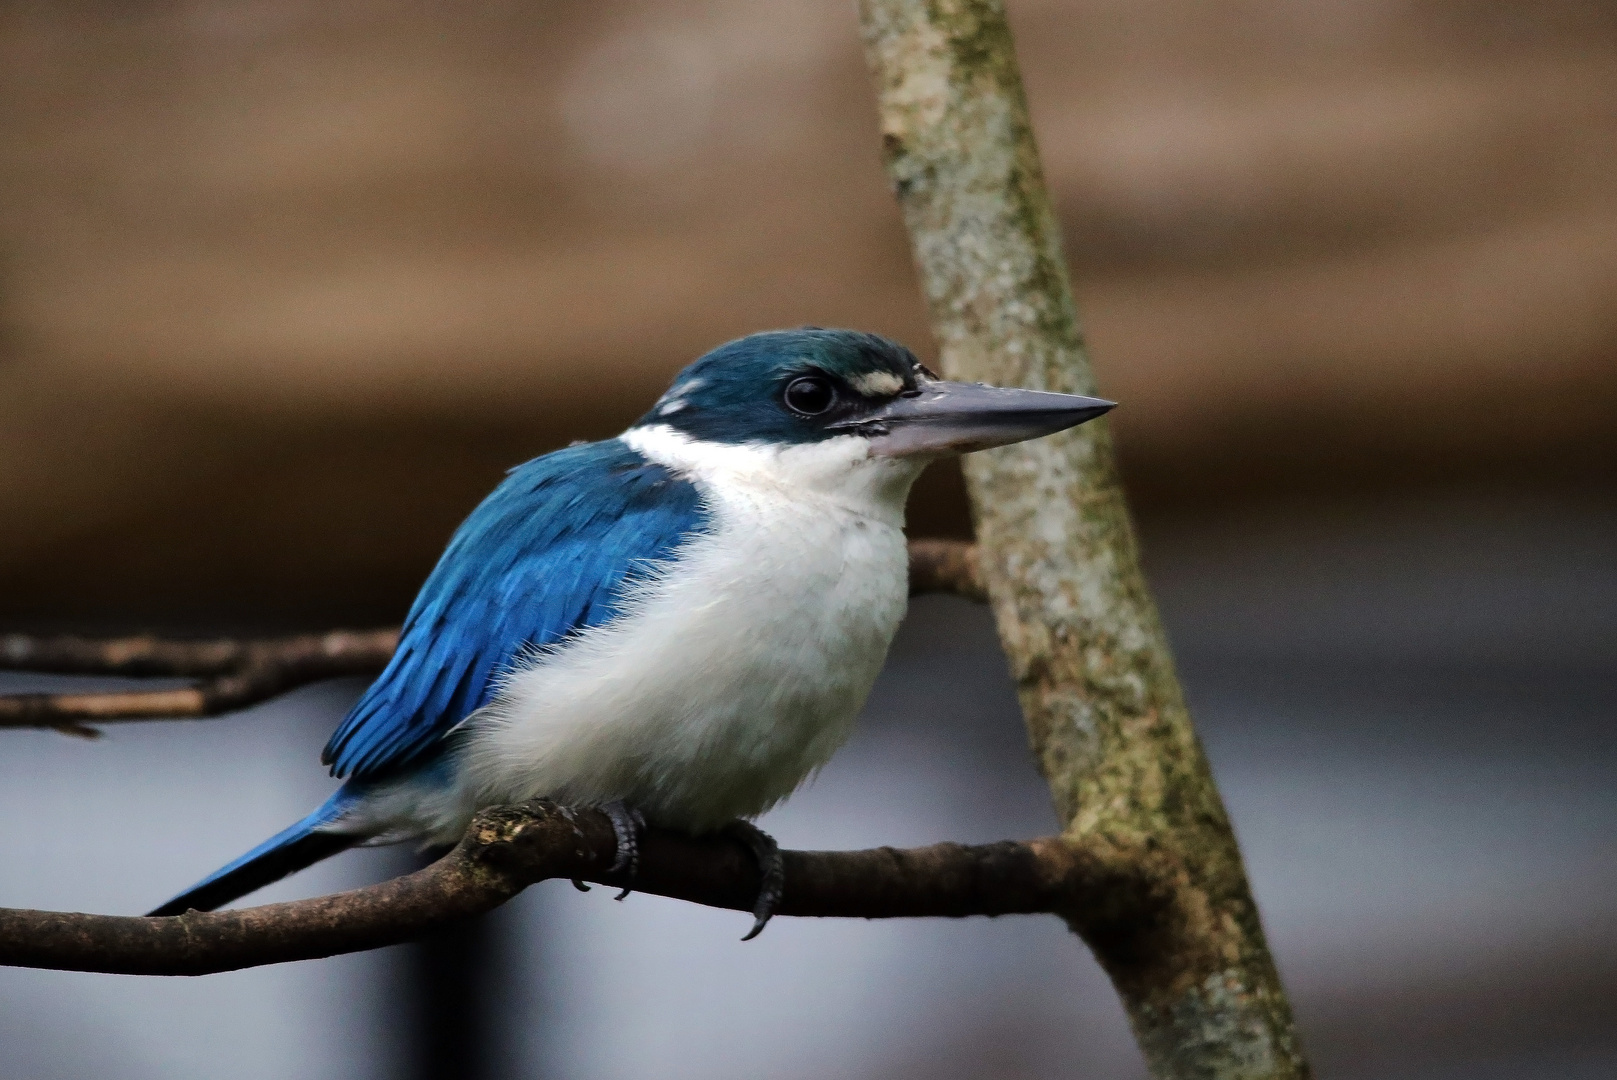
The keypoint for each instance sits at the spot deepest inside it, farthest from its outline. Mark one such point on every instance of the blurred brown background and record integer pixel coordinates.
(285, 284)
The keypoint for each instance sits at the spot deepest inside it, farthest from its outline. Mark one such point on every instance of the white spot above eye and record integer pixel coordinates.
(674, 400)
(877, 383)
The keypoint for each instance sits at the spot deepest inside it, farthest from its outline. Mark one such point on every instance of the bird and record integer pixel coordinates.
(677, 625)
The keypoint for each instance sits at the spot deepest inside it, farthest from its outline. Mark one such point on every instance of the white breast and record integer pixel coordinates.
(735, 673)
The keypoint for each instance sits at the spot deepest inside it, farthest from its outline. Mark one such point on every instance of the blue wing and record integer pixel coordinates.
(547, 554)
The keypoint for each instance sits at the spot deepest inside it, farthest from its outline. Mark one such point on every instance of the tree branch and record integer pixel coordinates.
(233, 674)
(1104, 710)
(507, 849)
(945, 566)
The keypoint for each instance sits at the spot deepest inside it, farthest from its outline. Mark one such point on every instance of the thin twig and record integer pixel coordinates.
(507, 849)
(945, 566)
(235, 673)
(232, 674)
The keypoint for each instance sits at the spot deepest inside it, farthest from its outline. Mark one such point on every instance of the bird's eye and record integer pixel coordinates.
(810, 395)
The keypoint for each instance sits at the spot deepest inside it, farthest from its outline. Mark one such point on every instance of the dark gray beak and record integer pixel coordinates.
(957, 418)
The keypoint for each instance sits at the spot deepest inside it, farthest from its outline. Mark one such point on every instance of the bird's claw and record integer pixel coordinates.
(771, 867)
(627, 825)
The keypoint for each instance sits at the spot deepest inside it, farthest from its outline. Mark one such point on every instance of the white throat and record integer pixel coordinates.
(840, 472)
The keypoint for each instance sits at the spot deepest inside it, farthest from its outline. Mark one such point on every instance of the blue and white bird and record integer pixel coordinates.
(678, 625)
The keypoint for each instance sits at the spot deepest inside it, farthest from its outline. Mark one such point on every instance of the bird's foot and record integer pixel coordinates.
(773, 868)
(627, 825)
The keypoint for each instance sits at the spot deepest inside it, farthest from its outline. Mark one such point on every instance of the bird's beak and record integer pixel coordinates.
(956, 418)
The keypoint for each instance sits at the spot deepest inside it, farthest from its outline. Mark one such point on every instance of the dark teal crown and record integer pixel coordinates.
(739, 392)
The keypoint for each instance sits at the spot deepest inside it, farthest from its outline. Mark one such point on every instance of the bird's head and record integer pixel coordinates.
(793, 387)
(850, 416)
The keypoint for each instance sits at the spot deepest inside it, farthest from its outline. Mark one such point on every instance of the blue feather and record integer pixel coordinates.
(289, 850)
(548, 554)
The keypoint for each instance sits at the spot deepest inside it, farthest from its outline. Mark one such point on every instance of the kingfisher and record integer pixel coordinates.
(677, 625)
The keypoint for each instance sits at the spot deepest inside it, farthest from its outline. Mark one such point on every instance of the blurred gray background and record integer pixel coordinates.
(284, 286)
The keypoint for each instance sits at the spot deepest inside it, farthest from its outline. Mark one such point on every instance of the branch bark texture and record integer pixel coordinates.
(507, 849)
(1104, 709)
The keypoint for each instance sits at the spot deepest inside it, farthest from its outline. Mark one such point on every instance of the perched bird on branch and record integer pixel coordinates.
(677, 625)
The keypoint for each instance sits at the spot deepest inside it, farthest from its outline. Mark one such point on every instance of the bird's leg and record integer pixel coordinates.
(627, 825)
(773, 868)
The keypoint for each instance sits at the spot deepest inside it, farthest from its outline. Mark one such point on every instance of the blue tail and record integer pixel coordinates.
(288, 851)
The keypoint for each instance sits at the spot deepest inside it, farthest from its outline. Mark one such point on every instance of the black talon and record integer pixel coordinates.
(770, 865)
(580, 886)
(627, 825)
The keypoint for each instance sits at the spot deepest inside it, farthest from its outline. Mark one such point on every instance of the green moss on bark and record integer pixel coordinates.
(1104, 710)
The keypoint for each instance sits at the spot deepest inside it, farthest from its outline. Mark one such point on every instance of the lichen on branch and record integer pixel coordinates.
(1104, 710)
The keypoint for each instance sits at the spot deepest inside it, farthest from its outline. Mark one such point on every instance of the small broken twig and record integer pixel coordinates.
(232, 674)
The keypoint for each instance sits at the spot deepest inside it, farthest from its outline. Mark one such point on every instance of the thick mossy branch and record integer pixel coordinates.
(1103, 706)
(507, 849)
(232, 674)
